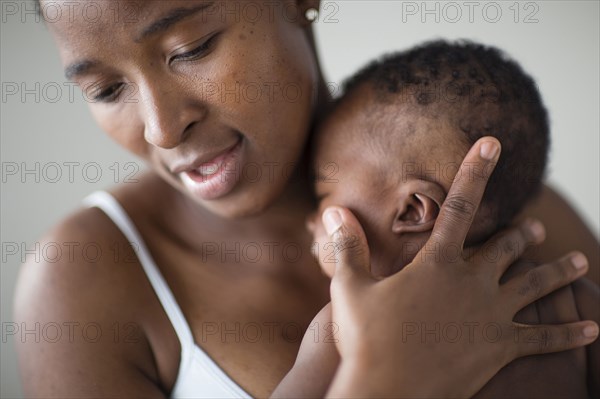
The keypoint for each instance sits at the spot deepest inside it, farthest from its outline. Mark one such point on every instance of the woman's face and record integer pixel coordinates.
(216, 96)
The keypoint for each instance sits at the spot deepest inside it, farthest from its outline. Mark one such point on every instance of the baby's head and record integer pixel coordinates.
(391, 145)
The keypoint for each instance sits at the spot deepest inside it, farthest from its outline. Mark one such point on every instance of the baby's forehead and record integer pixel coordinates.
(390, 140)
(386, 126)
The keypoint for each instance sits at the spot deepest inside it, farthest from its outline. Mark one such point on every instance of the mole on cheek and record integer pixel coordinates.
(242, 36)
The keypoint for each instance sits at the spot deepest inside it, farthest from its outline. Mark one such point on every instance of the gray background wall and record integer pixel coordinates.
(556, 41)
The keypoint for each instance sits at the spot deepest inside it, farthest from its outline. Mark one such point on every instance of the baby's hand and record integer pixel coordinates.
(442, 288)
(325, 255)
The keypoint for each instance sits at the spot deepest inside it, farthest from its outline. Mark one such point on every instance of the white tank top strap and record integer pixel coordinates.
(107, 203)
(199, 376)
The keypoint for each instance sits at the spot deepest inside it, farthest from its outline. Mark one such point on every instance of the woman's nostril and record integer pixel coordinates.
(187, 131)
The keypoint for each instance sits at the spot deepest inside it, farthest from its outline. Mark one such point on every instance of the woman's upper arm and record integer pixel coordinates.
(565, 231)
(74, 335)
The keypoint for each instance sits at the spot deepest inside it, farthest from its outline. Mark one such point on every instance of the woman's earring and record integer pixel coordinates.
(311, 14)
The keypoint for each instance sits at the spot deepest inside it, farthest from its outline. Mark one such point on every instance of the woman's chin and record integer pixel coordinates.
(246, 201)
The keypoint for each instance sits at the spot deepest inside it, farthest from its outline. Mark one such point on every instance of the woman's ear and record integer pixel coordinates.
(419, 203)
(309, 10)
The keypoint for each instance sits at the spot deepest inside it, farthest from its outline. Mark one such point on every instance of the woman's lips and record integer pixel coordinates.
(217, 177)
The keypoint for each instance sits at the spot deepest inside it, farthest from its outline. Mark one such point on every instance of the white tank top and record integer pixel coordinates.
(199, 376)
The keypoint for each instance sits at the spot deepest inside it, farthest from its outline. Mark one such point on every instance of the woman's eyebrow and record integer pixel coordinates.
(171, 18)
(79, 68)
(163, 23)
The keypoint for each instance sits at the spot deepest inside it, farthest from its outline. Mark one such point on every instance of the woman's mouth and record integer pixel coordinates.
(217, 177)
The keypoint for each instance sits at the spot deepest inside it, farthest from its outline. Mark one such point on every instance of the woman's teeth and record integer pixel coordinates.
(211, 168)
(208, 169)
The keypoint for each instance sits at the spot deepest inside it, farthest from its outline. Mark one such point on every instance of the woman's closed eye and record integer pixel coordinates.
(107, 94)
(196, 53)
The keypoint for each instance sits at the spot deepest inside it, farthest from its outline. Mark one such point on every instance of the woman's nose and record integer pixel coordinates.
(168, 114)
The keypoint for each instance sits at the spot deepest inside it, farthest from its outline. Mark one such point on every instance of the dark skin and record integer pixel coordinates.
(369, 142)
(207, 297)
(171, 118)
(150, 129)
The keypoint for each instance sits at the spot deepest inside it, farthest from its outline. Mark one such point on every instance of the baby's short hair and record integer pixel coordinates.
(480, 92)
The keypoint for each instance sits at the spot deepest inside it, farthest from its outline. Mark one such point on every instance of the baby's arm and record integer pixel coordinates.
(316, 362)
(587, 299)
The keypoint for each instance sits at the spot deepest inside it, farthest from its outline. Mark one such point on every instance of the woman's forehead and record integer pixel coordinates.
(137, 17)
(91, 29)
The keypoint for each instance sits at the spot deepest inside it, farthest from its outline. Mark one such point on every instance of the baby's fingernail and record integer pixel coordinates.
(579, 261)
(590, 331)
(536, 228)
(488, 150)
(332, 220)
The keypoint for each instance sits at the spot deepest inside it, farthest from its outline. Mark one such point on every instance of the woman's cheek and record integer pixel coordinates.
(119, 121)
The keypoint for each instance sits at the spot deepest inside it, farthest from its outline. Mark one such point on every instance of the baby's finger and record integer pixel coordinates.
(351, 251)
(462, 201)
(542, 280)
(540, 339)
(323, 247)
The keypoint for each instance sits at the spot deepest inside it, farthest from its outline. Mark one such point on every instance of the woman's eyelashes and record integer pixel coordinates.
(109, 94)
(198, 52)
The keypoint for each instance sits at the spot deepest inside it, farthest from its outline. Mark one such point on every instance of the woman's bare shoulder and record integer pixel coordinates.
(82, 245)
(84, 294)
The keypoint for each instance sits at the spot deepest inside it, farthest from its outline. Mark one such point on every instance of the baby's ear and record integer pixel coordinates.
(419, 203)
